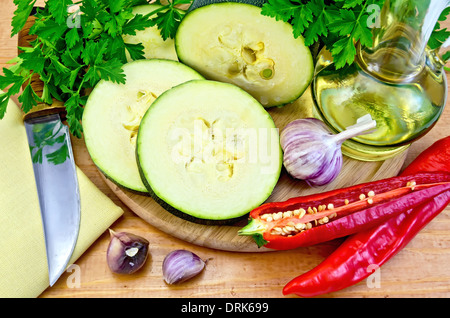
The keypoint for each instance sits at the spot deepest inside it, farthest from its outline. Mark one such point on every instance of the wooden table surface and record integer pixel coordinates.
(419, 270)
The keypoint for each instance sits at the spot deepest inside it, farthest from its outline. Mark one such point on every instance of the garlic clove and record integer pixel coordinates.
(180, 265)
(126, 252)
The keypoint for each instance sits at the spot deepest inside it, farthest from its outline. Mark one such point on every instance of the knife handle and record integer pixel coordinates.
(42, 109)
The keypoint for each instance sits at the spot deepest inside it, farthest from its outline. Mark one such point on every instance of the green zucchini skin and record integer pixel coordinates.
(201, 3)
(178, 213)
(121, 186)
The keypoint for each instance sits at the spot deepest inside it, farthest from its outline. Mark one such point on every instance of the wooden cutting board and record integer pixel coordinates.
(225, 237)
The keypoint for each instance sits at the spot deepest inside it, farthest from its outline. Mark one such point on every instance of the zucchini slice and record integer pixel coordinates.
(154, 45)
(201, 3)
(233, 42)
(113, 113)
(208, 152)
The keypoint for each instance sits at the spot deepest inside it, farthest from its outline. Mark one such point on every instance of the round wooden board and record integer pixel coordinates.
(225, 237)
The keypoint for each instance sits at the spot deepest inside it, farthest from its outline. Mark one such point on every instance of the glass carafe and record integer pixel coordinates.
(399, 81)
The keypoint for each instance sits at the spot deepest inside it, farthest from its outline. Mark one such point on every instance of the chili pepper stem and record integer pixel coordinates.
(364, 125)
(255, 229)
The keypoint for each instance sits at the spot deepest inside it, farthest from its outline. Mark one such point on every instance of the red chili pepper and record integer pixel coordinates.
(352, 260)
(317, 218)
(433, 159)
(349, 263)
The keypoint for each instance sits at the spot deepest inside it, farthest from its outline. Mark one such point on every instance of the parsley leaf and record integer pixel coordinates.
(168, 17)
(350, 3)
(302, 17)
(28, 98)
(59, 155)
(135, 50)
(58, 9)
(439, 36)
(21, 14)
(322, 16)
(111, 70)
(138, 23)
(72, 38)
(4, 99)
(336, 24)
(9, 78)
(77, 44)
(282, 10)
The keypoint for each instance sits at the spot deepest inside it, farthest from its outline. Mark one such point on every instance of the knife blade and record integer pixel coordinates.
(57, 188)
(54, 171)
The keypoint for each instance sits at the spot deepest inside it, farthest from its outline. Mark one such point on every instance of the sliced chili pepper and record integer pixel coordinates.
(313, 219)
(350, 262)
(435, 158)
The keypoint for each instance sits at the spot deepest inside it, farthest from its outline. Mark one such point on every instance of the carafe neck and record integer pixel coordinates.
(399, 43)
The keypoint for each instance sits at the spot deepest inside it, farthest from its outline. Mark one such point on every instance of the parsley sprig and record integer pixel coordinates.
(77, 44)
(339, 24)
(169, 17)
(75, 50)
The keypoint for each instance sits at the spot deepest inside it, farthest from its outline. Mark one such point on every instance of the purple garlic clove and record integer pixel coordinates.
(126, 252)
(180, 265)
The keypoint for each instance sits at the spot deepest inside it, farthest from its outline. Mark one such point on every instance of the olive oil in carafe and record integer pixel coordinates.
(399, 80)
(403, 111)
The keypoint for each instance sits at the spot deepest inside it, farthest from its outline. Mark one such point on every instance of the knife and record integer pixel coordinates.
(55, 175)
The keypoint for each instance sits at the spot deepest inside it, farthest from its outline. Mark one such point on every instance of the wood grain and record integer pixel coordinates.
(419, 270)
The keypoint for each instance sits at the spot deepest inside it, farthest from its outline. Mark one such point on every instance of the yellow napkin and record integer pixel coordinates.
(23, 261)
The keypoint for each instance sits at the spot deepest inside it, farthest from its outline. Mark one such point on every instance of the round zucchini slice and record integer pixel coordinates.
(208, 152)
(113, 113)
(201, 3)
(154, 45)
(234, 43)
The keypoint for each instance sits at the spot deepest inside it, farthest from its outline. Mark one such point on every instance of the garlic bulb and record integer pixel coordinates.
(313, 153)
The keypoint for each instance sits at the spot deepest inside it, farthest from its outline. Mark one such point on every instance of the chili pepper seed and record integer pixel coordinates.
(323, 220)
(302, 213)
(300, 226)
(287, 214)
(277, 216)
